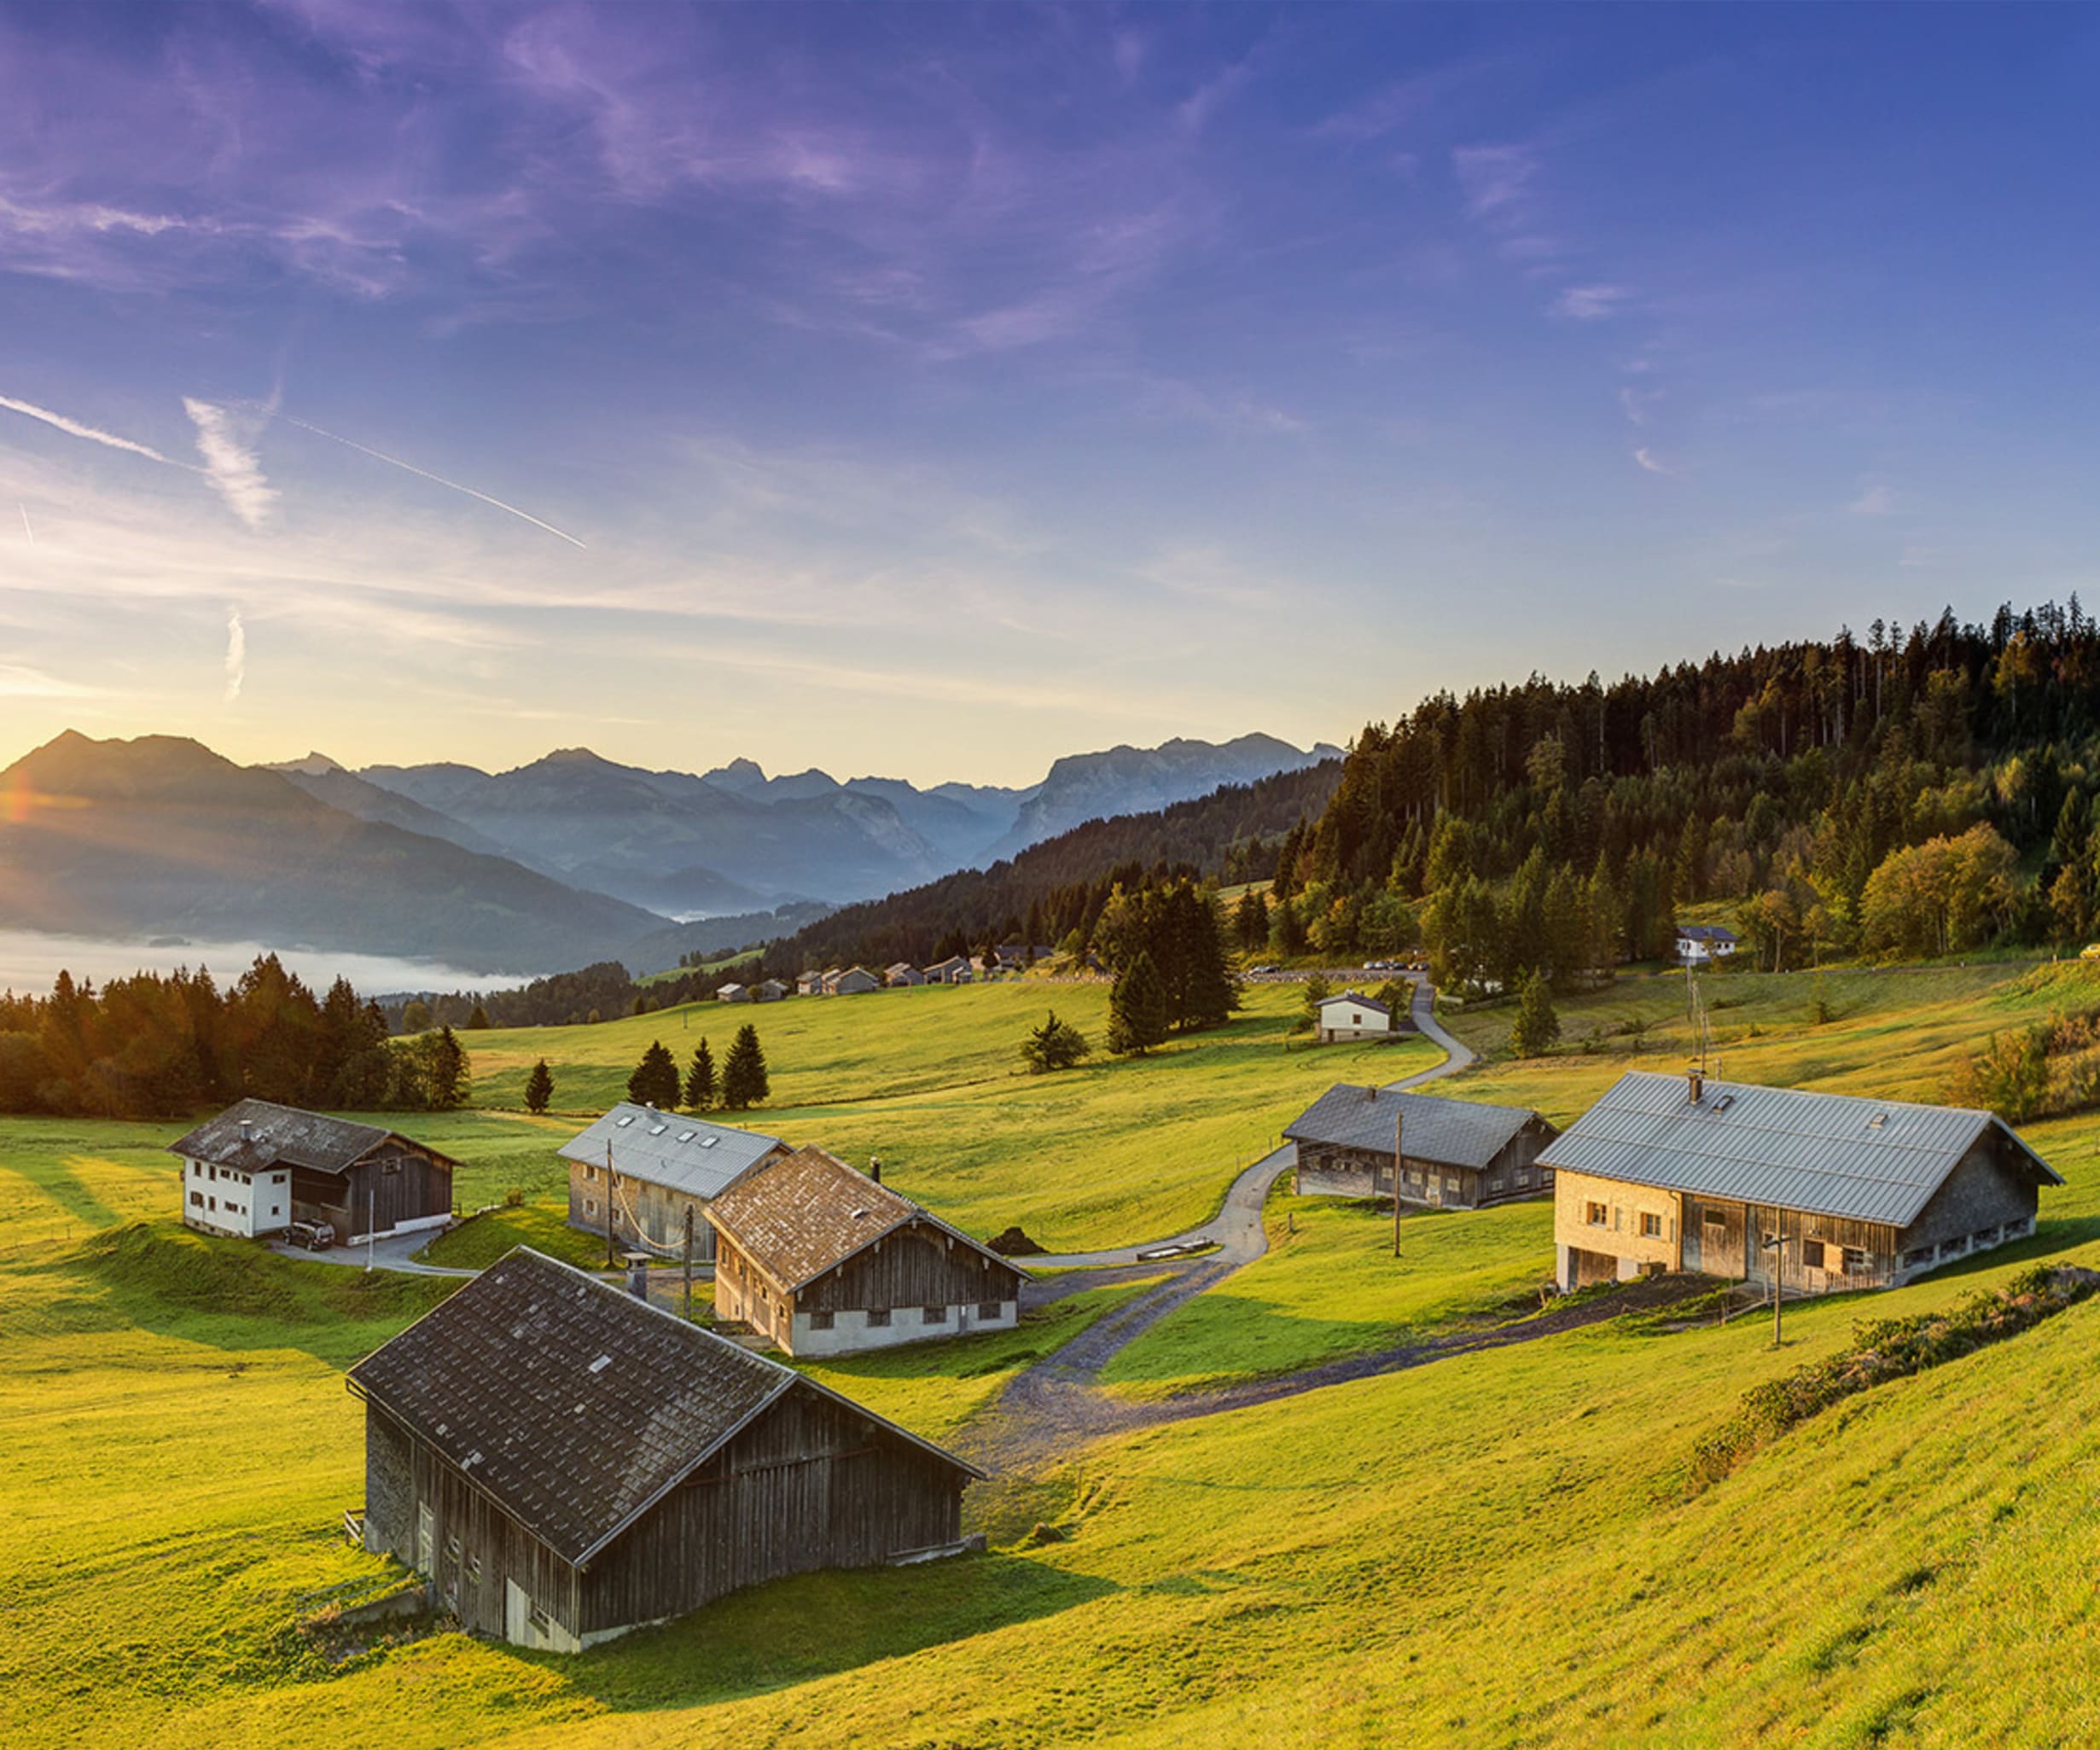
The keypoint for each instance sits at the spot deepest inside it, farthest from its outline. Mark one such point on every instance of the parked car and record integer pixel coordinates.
(314, 1236)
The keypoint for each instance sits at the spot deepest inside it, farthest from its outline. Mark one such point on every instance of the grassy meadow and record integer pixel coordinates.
(1498, 1548)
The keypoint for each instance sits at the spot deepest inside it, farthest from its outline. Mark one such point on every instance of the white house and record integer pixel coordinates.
(1352, 1016)
(1698, 944)
(732, 993)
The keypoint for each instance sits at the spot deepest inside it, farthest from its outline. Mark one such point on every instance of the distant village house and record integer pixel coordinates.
(1352, 1016)
(1451, 1153)
(733, 993)
(1700, 943)
(854, 981)
(258, 1167)
(1679, 1173)
(771, 991)
(956, 969)
(565, 1462)
(644, 1171)
(904, 973)
(825, 1260)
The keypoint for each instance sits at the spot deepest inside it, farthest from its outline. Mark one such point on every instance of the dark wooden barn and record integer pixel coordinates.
(565, 1462)
(1453, 1153)
(257, 1167)
(825, 1260)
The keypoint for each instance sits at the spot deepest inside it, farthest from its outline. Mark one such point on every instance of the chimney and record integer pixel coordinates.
(637, 1264)
(247, 1131)
(1371, 1092)
(1696, 1076)
(874, 1168)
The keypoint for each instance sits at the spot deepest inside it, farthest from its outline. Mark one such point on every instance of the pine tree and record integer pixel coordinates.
(700, 1086)
(1056, 1044)
(744, 1080)
(1137, 1009)
(1537, 1027)
(1250, 922)
(655, 1078)
(450, 1076)
(538, 1087)
(478, 1022)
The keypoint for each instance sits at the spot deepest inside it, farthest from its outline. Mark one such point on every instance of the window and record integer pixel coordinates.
(1596, 1215)
(1715, 1218)
(474, 1570)
(390, 1167)
(1987, 1237)
(196, 1200)
(591, 1206)
(878, 1316)
(622, 1124)
(821, 1321)
(211, 1203)
(1651, 1225)
(451, 1547)
(1855, 1261)
(591, 1175)
(276, 1210)
(276, 1179)
(990, 1309)
(1811, 1254)
(2017, 1230)
(934, 1315)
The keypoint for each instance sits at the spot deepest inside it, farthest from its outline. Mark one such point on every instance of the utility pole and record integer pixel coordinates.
(1777, 1245)
(688, 1263)
(610, 1260)
(371, 1224)
(1399, 1118)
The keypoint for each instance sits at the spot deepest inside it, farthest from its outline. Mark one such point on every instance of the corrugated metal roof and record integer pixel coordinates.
(1451, 1132)
(686, 1154)
(283, 1135)
(1836, 1154)
(575, 1405)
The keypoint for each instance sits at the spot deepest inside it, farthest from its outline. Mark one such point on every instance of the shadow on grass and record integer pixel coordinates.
(793, 1631)
(65, 1190)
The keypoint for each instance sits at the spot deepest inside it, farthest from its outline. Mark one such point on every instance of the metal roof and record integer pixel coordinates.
(1705, 933)
(284, 1135)
(1836, 1154)
(575, 1406)
(1451, 1132)
(1360, 999)
(665, 1149)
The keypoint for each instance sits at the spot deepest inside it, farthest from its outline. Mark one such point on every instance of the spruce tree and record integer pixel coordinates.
(1056, 1045)
(701, 1087)
(1537, 1027)
(538, 1087)
(449, 1077)
(1250, 922)
(744, 1080)
(478, 1022)
(1137, 1009)
(655, 1078)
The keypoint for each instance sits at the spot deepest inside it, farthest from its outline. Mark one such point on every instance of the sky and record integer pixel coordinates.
(931, 391)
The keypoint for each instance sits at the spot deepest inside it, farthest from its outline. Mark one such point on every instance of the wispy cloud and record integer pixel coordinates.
(74, 429)
(1591, 303)
(1874, 500)
(236, 654)
(229, 463)
(1636, 403)
(425, 473)
(27, 529)
(1646, 458)
(20, 681)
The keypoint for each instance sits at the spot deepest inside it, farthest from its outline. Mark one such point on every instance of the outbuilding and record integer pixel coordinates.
(904, 973)
(258, 1167)
(564, 1462)
(647, 1171)
(1451, 1154)
(733, 993)
(825, 1260)
(854, 981)
(1826, 1192)
(768, 991)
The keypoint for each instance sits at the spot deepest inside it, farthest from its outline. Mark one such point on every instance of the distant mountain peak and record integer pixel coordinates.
(316, 764)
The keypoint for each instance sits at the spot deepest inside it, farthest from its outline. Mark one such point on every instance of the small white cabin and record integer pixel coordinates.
(1352, 1016)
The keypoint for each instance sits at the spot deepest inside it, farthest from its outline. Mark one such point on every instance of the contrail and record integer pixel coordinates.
(27, 529)
(72, 428)
(396, 461)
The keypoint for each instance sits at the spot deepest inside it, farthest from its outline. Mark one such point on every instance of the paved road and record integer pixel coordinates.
(383, 1254)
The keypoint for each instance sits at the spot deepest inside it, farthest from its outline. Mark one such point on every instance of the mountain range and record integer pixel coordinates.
(570, 859)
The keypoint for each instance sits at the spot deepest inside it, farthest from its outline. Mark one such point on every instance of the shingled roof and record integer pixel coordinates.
(284, 1135)
(1836, 1154)
(1464, 1133)
(575, 1406)
(807, 1212)
(686, 1154)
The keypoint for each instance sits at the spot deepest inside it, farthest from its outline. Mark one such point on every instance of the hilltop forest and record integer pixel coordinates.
(1911, 792)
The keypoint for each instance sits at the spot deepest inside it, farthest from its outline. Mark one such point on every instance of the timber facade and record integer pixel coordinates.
(703, 1469)
(1825, 1194)
(646, 1174)
(1454, 1154)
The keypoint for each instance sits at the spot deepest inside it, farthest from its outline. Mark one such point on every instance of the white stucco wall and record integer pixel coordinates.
(850, 1332)
(246, 1204)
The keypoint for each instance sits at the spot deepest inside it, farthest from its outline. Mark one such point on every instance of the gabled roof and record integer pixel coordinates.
(1836, 1154)
(1360, 1000)
(574, 1406)
(807, 1212)
(686, 1154)
(1451, 1132)
(1705, 933)
(284, 1135)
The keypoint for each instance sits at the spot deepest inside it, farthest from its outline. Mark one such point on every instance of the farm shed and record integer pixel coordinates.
(768, 991)
(566, 1462)
(651, 1167)
(258, 1167)
(826, 1260)
(1681, 1173)
(733, 993)
(1455, 1153)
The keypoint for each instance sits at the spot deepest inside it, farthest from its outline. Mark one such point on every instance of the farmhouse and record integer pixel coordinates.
(651, 1168)
(565, 1462)
(258, 1167)
(1697, 944)
(733, 993)
(771, 991)
(1353, 1016)
(1452, 1153)
(826, 1260)
(904, 973)
(1679, 1173)
(810, 984)
(854, 981)
(956, 969)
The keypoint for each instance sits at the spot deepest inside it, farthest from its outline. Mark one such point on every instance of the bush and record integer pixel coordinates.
(1054, 1045)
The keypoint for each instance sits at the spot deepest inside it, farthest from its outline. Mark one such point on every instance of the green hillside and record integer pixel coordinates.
(1498, 1548)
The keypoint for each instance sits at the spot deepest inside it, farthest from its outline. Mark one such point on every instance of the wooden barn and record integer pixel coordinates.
(258, 1167)
(825, 1260)
(1452, 1153)
(565, 1462)
(1826, 1192)
(643, 1171)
